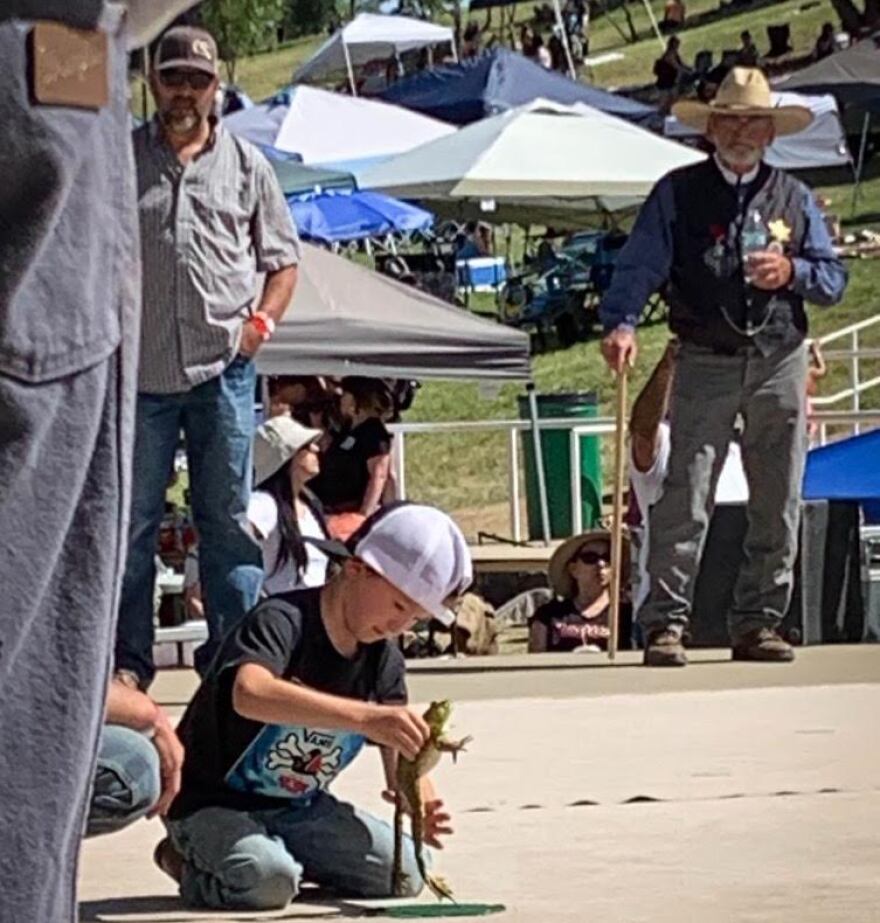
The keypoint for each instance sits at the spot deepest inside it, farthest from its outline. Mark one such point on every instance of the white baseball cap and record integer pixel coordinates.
(276, 442)
(419, 550)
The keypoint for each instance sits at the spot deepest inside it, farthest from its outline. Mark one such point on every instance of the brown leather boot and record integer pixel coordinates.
(664, 648)
(763, 644)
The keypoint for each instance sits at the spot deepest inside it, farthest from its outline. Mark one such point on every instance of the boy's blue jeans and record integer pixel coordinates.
(217, 419)
(127, 780)
(257, 860)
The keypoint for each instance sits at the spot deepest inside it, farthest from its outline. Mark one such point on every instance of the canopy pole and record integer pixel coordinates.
(539, 462)
(860, 165)
(654, 26)
(557, 9)
(348, 67)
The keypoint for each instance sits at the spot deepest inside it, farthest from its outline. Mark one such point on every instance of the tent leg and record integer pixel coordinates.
(654, 26)
(349, 68)
(539, 463)
(860, 165)
(564, 35)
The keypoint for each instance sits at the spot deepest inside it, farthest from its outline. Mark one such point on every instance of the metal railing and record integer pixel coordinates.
(855, 354)
(600, 426)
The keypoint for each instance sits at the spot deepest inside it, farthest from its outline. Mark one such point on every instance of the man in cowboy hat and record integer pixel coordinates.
(739, 247)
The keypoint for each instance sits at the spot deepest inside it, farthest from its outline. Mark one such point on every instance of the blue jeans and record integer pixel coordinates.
(217, 419)
(127, 781)
(257, 860)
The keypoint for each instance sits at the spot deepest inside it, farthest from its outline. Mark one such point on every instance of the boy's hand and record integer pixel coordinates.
(436, 823)
(397, 727)
(435, 819)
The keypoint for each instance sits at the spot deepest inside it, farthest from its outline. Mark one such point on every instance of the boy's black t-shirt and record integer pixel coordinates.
(237, 763)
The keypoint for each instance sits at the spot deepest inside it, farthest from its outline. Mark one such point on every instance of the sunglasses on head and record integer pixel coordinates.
(592, 557)
(175, 79)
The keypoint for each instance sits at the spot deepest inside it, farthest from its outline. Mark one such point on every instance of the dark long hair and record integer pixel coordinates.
(292, 547)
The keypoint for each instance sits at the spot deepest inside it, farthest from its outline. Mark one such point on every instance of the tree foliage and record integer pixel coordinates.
(242, 27)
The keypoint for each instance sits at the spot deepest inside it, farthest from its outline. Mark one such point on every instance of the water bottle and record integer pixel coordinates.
(753, 237)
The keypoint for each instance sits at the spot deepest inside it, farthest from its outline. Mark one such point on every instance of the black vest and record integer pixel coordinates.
(707, 292)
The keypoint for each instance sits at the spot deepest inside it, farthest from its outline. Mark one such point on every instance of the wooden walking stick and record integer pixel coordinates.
(620, 426)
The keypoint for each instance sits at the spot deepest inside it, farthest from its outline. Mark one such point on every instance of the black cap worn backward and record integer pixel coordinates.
(187, 47)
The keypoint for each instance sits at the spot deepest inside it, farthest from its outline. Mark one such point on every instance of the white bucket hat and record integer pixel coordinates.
(419, 550)
(276, 442)
(744, 91)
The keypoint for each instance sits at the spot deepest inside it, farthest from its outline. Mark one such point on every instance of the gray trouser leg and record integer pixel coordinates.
(62, 516)
(774, 448)
(705, 401)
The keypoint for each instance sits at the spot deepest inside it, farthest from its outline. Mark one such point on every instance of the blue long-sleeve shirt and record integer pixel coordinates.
(644, 263)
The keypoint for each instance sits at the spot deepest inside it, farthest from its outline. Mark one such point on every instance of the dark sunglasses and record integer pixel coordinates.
(592, 557)
(175, 79)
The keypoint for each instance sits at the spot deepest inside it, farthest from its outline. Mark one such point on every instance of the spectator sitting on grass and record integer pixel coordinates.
(825, 44)
(580, 575)
(748, 54)
(669, 69)
(674, 14)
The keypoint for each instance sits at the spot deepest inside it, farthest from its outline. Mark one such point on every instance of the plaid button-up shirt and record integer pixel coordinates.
(209, 230)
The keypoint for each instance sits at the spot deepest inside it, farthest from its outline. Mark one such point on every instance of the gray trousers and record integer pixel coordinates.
(69, 322)
(708, 393)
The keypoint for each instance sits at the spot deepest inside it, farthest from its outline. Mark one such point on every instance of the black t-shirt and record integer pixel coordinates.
(565, 625)
(237, 763)
(344, 476)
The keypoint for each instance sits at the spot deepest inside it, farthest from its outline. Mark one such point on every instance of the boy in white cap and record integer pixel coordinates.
(296, 690)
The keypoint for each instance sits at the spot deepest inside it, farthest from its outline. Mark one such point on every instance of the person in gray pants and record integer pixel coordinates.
(737, 247)
(69, 296)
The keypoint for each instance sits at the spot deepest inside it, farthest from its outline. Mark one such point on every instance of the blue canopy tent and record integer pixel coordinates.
(846, 470)
(335, 217)
(497, 81)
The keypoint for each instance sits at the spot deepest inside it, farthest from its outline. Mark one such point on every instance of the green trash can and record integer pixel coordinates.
(557, 464)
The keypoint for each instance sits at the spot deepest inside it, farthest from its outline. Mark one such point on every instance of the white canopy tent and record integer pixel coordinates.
(368, 37)
(329, 128)
(542, 151)
(821, 144)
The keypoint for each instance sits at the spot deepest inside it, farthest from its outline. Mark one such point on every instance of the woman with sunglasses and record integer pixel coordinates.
(580, 575)
(283, 512)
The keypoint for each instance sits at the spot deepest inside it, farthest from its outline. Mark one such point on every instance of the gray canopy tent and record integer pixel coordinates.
(349, 320)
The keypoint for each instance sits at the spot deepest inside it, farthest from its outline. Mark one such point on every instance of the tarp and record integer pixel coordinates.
(821, 144)
(367, 37)
(845, 470)
(337, 217)
(496, 81)
(329, 128)
(541, 151)
(852, 75)
(296, 179)
(349, 320)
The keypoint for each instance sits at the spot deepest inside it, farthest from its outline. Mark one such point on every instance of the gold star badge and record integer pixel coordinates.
(780, 231)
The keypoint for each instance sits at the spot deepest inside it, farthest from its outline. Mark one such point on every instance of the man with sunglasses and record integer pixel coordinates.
(214, 226)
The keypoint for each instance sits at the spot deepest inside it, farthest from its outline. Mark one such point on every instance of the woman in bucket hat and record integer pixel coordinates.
(283, 512)
(580, 576)
(738, 247)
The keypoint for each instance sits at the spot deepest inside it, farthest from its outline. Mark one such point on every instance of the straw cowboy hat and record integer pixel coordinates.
(744, 91)
(560, 579)
(276, 442)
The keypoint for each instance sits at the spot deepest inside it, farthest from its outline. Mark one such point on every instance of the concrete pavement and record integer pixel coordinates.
(723, 792)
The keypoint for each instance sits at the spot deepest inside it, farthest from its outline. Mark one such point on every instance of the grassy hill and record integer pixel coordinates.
(467, 474)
